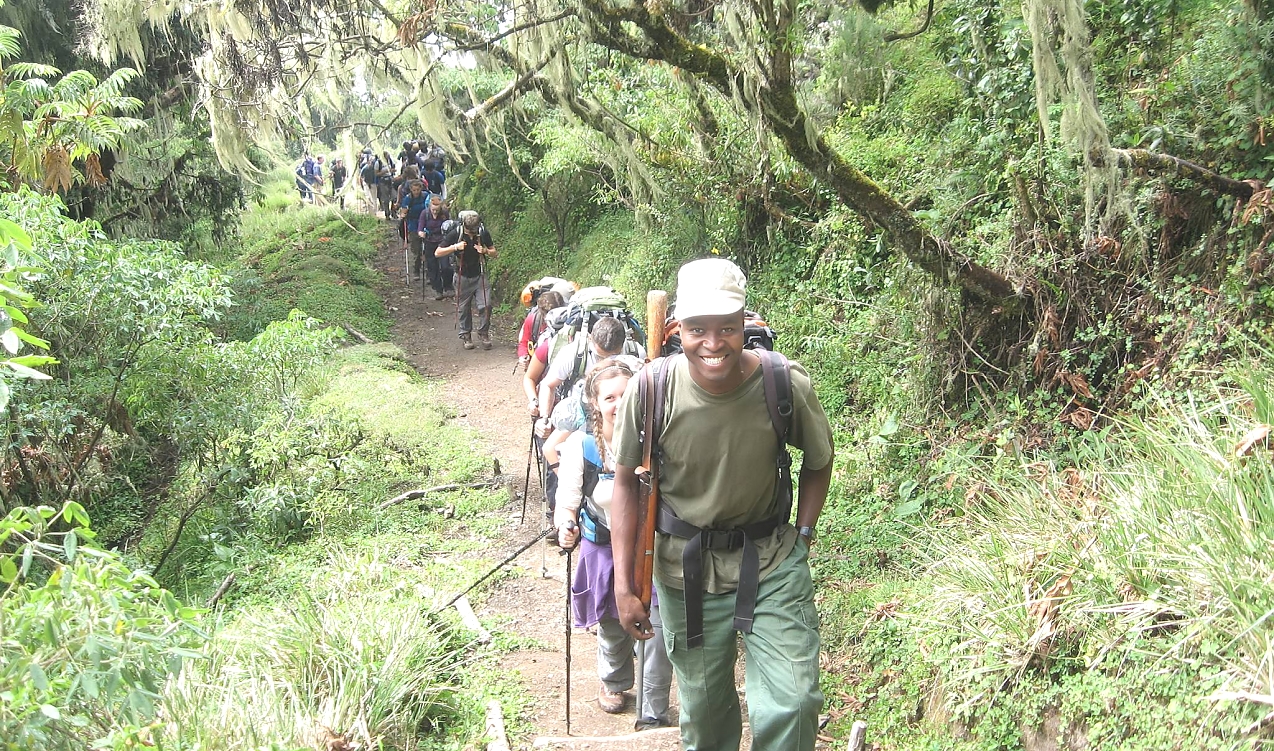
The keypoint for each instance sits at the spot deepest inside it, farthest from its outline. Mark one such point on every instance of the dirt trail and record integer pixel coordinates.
(487, 396)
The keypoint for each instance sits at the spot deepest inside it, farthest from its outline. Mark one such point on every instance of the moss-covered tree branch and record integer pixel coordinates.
(776, 103)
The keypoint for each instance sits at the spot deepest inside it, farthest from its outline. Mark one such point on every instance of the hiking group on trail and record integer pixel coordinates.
(699, 439)
(671, 478)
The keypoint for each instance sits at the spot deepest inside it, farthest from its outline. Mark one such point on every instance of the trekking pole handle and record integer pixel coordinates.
(567, 551)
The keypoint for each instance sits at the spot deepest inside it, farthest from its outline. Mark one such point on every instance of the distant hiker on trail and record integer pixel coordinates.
(433, 175)
(385, 185)
(411, 206)
(368, 165)
(339, 173)
(586, 477)
(440, 276)
(471, 246)
(307, 176)
(727, 560)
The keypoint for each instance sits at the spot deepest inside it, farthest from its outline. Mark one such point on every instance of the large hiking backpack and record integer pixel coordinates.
(532, 291)
(757, 334)
(575, 322)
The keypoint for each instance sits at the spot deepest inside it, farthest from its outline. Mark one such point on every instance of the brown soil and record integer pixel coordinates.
(487, 396)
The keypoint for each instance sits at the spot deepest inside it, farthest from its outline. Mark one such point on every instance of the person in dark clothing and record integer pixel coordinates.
(339, 173)
(385, 185)
(435, 179)
(367, 170)
(471, 245)
(307, 176)
(429, 229)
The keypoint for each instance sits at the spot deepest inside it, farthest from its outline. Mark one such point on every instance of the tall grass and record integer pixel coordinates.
(1148, 549)
(355, 667)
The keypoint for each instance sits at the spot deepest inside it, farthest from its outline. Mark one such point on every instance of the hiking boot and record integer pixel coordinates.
(650, 723)
(467, 342)
(611, 702)
(439, 296)
(486, 340)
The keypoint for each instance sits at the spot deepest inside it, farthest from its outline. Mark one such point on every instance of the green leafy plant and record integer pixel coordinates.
(89, 642)
(52, 134)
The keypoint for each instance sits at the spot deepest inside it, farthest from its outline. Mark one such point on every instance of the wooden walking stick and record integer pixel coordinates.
(648, 495)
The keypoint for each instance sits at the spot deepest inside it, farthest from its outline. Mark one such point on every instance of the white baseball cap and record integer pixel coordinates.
(710, 287)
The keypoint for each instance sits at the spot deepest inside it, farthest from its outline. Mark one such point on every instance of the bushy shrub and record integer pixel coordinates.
(89, 643)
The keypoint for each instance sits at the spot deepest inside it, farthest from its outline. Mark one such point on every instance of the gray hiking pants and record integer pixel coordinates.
(615, 665)
(473, 292)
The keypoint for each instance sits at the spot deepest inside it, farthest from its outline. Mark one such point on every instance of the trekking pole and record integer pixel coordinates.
(543, 473)
(567, 552)
(494, 569)
(656, 312)
(526, 486)
(402, 231)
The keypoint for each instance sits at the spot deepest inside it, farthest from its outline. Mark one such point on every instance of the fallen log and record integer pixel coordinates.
(412, 495)
(496, 739)
(357, 334)
(470, 620)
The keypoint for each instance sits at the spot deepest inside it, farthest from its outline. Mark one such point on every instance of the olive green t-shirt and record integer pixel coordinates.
(719, 465)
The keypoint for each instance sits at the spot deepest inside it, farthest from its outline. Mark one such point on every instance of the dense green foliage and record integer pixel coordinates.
(997, 567)
(1050, 517)
(235, 455)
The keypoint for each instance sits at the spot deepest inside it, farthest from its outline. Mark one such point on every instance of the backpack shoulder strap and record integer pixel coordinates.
(776, 376)
(652, 395)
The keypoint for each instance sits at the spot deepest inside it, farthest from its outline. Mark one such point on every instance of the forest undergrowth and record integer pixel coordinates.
(228, 574)
(997, 577)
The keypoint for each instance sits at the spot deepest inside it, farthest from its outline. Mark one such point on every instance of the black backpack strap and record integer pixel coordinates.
(776, 377)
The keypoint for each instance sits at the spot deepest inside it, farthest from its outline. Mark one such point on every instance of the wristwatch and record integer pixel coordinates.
(809, 533)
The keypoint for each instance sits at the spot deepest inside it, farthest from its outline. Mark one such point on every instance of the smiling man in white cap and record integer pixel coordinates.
(727, 559)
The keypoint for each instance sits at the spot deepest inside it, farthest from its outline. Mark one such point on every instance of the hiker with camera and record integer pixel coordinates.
(586, 478)
(470, 245)
(726, 560)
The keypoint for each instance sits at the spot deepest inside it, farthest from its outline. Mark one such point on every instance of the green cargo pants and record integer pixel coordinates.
(782, 664)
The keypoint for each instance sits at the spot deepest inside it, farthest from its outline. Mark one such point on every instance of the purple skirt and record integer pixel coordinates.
(593, 586)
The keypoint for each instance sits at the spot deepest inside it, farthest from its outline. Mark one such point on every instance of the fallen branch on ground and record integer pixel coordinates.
(221, 591)
(470, 620)
(412, 495)
(356, 334)
(497, 740)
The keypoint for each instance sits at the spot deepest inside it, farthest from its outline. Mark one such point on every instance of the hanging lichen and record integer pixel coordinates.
(1063, 63)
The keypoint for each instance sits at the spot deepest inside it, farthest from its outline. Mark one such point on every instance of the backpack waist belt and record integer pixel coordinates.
(698, 540)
